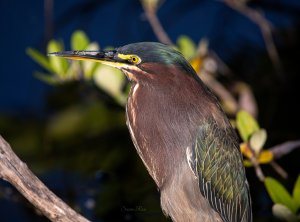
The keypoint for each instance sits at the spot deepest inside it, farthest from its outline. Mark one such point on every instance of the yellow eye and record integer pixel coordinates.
(134, 59)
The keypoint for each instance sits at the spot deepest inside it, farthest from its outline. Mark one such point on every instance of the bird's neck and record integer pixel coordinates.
(162, 121)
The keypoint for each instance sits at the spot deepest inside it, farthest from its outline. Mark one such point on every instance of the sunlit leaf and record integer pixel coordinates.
(79, 40)
(197, 63)
(111, 81)
(279, 194)
(186, 46)
(59, 65)
(282, 212)
(74, 71)
(265, 156)
(257, 140)
(245, 150)
(90, 67)
(246, 125)
(296, 192)
(39, 58)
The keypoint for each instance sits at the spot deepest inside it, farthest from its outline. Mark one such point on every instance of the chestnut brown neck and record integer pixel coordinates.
(162, 120)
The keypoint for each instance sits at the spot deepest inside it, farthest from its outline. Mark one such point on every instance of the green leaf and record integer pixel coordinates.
(74, 71)
(186, 46)
(266, 156)
(79, 40)
(111, 81)
(39, 58)
(89, 68)
(279, 194)
(246, 125)
(282, 212)
(59, 65)
(296, 192)
(258, 140)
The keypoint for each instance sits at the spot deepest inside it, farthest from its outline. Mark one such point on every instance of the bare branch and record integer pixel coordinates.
(266, 30)
(229, 102)
(258, 170)
(16, 172)
(284, 148)
(246, 99)
(150, 12)
(279, 169)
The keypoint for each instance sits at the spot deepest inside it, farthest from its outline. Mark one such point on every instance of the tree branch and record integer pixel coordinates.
(229, 102)
(150, 12)
(258, 170)
(284, 148)
(266, 30)
(16, 172)
(279, 169)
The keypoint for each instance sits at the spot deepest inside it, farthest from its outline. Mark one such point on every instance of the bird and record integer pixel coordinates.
(180, 132)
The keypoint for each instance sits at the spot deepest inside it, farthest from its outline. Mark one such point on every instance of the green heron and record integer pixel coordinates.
(181, 134)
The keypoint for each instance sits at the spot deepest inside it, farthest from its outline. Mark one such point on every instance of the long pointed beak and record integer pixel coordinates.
(104, 57)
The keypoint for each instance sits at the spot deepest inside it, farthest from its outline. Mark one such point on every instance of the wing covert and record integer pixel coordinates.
(217, 163)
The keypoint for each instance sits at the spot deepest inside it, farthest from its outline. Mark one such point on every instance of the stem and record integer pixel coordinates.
(229, 101)
(257, 168)
(279, 169)
(156, 25)
(284, 148)
(266, 31)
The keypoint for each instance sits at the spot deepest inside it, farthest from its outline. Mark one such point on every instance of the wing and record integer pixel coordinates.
(217, 163)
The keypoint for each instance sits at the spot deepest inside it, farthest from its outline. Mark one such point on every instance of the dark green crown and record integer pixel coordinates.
(154, 52)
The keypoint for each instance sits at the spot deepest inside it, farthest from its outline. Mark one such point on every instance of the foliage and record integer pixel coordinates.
(286, 205)
(253, 137)
(187, 47)
(61, 71)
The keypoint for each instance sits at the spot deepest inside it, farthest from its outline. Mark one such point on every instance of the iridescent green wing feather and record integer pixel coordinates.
(217, 163)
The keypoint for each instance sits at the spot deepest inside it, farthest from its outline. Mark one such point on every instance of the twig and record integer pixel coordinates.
(253, 159)
(223, 68)
(279, 169)
(257, 168)
(265, 28)
(16, 172)
(160, 33)
(284, 148)
(246, 99)
(229, 102)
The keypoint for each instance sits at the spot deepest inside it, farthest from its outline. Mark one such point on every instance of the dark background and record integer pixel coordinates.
(100, 173)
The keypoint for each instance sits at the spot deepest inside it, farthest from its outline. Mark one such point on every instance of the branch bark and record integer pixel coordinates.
(284, 148)
(16, 172)
(150, 12)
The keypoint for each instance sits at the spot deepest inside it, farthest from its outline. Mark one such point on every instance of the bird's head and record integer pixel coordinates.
(139, 61)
